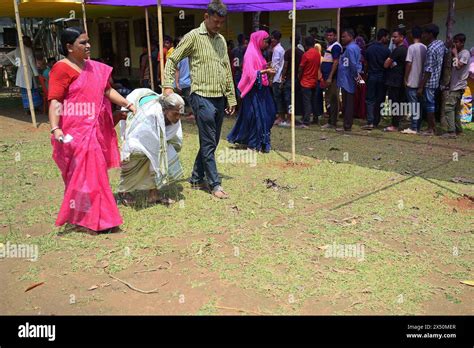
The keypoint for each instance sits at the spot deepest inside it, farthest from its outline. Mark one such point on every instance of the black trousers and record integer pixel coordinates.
(310, 104)
(209, 113)
(348, 102)
(396, 95)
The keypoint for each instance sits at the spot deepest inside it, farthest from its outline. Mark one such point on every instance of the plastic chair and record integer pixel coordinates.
(42, 82)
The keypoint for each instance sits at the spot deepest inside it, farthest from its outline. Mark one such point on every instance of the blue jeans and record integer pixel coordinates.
(429, 96)
(209, 113)
(376, 91)
(415, 102)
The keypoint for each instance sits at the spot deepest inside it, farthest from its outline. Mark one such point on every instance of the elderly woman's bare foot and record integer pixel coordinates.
(126, 199)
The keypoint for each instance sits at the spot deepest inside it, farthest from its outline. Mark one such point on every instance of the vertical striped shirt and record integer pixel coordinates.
(211, 75)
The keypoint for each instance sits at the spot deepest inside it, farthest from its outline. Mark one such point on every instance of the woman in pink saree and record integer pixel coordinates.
(83, 135)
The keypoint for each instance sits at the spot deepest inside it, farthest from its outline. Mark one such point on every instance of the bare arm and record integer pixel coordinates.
(458, 64)
(407, 71)
(176, 79)
(388, 63)
(53, 115)
(117, 99)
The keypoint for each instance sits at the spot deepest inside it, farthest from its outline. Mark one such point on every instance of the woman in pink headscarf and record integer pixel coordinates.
(83, 135)
(257, 113)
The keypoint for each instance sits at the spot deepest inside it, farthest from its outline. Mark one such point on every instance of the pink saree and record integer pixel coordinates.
(83, 162)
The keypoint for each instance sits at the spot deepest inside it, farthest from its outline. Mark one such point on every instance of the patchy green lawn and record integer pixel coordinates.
(264, 251)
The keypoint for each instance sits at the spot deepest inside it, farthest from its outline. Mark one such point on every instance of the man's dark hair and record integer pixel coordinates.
(460, 37)
(331, 30)
(432, 29)
(167, 38)
(276, 35)
(400, 31)
(216, 7)
(416, 32)
(309, 41)
(349, 31)
(381, 33)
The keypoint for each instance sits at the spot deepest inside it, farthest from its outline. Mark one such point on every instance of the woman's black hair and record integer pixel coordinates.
(69, 36)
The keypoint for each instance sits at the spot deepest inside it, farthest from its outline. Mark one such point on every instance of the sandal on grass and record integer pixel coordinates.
(219, 192)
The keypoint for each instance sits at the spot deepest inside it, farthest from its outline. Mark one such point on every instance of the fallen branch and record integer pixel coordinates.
(132, 287)
(238, 310)
(31, 287)
(146, 270)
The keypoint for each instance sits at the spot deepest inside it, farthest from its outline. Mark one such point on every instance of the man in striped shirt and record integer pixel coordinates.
(212, 91)
(436, 50)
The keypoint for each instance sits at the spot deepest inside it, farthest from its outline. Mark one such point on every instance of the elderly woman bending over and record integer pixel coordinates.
(153, 138)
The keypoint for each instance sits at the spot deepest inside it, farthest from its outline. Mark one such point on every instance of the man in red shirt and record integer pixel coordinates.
(308, 75)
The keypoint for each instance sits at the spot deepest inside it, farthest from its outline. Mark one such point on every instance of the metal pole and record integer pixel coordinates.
(293, 54)
(23, 63)
(338, 28)
(160, 38)
(84, 18)
(150, 63)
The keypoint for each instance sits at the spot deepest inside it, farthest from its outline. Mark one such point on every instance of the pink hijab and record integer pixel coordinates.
(253, 62)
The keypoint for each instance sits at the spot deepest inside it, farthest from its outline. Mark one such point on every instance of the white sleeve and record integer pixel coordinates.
(409, 54)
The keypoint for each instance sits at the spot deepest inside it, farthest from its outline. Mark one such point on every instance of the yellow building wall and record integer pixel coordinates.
(281, 21)
(382, 17)
(464, 17)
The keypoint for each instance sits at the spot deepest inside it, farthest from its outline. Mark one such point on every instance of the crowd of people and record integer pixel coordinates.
(202, 71)
(353, 78)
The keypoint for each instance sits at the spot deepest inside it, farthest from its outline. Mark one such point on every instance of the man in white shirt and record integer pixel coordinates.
(415, 61)
(32, 74)
(278, 60)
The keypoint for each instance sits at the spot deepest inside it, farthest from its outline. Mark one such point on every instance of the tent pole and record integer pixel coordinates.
(150, 62)
(293, 53)
(338, 28)
(23, 63)
(84, 18)
(160, 38)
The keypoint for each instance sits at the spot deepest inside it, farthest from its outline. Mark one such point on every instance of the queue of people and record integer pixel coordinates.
(387, 77)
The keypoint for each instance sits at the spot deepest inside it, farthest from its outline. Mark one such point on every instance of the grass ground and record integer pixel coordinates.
(264, 250)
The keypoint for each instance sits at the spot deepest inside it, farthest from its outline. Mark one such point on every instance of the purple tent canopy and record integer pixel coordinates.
(260, 5)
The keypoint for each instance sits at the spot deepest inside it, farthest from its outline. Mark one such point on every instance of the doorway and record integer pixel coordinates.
(124, 61)
(363, 20)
